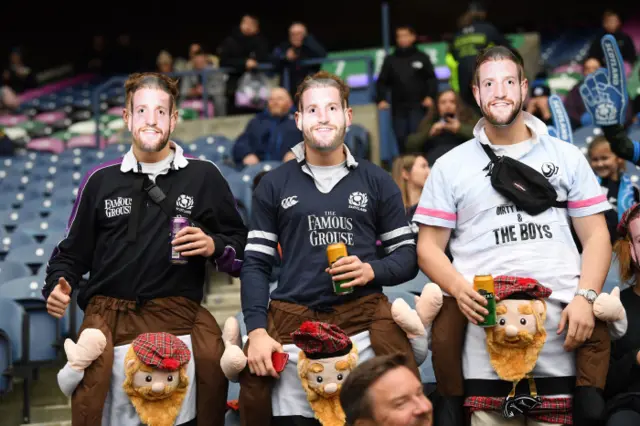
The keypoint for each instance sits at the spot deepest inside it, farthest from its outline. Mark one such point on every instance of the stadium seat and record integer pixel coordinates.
(40, 228)
(413, 286)
(216, 148)
(14, 339)
(584, 135)
(46, 144)
(12, 120)
(393, 294)
(634, 134)
(253, 170)
(44, 330)
(11, 270)
(357, 140)
(35, 255)
(11, 218)
(15, 239)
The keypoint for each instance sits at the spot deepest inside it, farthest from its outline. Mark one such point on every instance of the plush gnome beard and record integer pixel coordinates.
(327, 357)
(516, 341)
(156, 378)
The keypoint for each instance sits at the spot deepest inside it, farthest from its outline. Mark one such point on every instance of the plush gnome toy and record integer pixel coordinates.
(327, 357)
(156, 378)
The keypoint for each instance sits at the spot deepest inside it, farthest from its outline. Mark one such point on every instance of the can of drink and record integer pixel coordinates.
(335, 252)
(178, 223)
(483, 284)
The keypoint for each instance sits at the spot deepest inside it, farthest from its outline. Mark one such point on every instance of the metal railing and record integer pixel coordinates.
(204, 75)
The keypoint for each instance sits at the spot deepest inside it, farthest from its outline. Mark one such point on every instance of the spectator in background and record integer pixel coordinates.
(164, 62)
(300, 46)
(192, 85)
(125, 58)
(611, 24)
(410, 172)
(384, 391)
(9, 101)
(475, 34)
(94, 59)
(408, 74)
(443, 128)
(242, 51)
(271, 134)
(18, 76)
(538, 104)
(574, 105)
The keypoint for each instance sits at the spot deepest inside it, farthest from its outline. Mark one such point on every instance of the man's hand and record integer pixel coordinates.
(436, 128)
(250, 160)
(251, 64)
(288, 156)
(261, 347)
(638, 357)
(383, 105)
(581, 321)
(351, 268)
(452, 125)
(471, 303)
(192, 241)
(59, 298)
(427, 102)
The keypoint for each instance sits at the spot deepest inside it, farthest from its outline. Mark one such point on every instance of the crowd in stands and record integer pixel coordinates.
(427, 123)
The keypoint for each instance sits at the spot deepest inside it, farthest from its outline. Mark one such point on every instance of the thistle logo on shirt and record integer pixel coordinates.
(117, 207)
(184, 204)
(358, 201)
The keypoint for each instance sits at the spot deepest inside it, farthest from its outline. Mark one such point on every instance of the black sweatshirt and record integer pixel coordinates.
(141, 270)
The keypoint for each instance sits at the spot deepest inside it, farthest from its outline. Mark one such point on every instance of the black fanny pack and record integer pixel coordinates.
(522, 185)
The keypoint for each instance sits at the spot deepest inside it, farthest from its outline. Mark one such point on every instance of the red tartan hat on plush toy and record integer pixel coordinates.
(163, 351)
(321, 340)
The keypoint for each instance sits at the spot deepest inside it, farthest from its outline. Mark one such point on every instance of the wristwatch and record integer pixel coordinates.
(588, 294)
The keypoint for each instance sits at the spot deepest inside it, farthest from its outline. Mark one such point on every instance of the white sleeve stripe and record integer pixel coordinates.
(395, 233)
(264, 235)
(270, 251)
(392, 248)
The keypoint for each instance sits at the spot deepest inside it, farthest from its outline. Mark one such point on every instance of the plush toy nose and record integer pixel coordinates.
(331, 388)
(157, 387)
(511, 331)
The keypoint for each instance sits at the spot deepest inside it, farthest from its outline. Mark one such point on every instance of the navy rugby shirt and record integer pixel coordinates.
(365, 205)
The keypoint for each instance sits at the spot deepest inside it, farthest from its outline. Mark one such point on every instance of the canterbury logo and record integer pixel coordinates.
(289, 202)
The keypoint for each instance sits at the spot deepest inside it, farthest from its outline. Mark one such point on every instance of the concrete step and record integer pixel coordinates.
(223, 300)
(51, 413)
(52, 423)
(221, 314)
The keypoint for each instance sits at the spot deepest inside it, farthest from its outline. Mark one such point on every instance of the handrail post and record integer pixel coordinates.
(204, 74)
(386, 38)
(372, 86)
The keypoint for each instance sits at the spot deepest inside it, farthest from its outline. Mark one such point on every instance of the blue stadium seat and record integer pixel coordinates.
(393, 294)
(14, 335)
(241, 186)
(634, 134)
(40, 228)
(11, 270)
(11, 218)
(216, 148)
(16, 199)
(16, 239)
(252, 171)
(44, 330)
(226, 170)
(35, 255)
(41, 206)
(584, 135)
(415, 285)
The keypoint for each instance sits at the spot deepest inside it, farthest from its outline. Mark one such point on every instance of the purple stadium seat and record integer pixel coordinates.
(116, 110)
(53, 145)
(196, 104)
(50, 117)
(12, 120)
(84, 141)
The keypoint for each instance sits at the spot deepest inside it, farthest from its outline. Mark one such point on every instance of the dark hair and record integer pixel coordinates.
(354, 396)
(406, 27)
(150, 80)
(497, 53)
(323, 79)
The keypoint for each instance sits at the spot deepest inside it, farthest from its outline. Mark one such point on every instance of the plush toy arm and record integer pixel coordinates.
(90, 346)
(233, 360)
(608, 308)
(618, 328)
(69, 379)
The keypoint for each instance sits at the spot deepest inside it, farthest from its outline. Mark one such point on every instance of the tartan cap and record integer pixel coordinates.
(505, 286)
(161, 350)
(623, 225)
(321, 340)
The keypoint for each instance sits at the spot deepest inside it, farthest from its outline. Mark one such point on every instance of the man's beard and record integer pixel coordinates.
(513, 361)
(517, 108)
(338, 140)
(147, 148)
